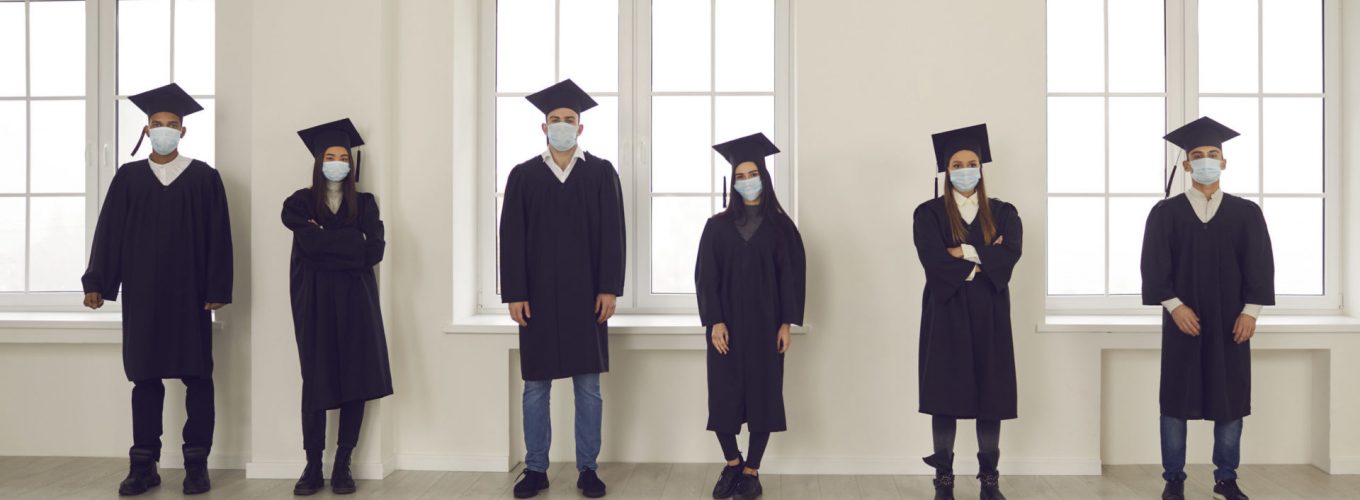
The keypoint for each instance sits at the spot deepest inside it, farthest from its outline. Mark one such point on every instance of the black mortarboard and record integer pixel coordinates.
(972, 138)
(754, 147)
(1202, 132)
(170, 99)
(337, 133)
(563, 94)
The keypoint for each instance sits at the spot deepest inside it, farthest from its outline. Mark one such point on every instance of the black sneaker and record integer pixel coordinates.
(196, 470)
(748, 488)
(311, 480)
(1228, 490)
(142, 474)
(1174, 490)
(590, 484)
(532, 483)
(727, 482)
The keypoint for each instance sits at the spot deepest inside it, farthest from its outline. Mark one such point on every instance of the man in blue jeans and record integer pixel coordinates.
(562, 264)
(1207, 261)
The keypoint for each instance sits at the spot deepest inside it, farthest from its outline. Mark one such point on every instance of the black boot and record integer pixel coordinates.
(590, 484)
(727, 481)
(1174, 490)
(142, 474)
(196, 470)
(532, 483)
(944, 475)
(311, 480)
(342, 483)
(989, 477)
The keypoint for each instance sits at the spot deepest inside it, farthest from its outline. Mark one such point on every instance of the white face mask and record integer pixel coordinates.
(562, 136)
(749, 188)
(164, 140)
(1206, 170)
(335, 171)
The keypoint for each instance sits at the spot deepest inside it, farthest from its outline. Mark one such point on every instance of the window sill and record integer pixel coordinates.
(65, 327)
(622, 324)
(1152, 323)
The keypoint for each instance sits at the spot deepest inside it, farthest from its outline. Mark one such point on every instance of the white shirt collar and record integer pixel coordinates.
(1204, 197)
(168, 172)
(562, 173)
(962, 200)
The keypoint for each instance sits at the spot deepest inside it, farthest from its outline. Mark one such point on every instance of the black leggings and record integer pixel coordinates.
(314, 427)
(988, 436)
(756, 447)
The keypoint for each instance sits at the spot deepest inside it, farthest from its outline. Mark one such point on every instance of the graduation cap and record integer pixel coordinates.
(754, 148)
(1199, 133)
(169, 99)
(337, 133)
(972, 138)
(563, 94)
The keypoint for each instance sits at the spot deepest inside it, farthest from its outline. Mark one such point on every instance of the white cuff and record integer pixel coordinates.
(1171, 304)
(971, 274)
(1253, 310)
(970, 254)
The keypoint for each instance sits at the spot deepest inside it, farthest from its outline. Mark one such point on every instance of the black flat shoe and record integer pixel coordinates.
(590, 484)
(727, 482)
(532, 483)
(1174, 490)
(142, 475)
(1228, 490)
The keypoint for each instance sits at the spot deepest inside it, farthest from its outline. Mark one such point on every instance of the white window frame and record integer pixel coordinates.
(1182, 106)
(634, 162)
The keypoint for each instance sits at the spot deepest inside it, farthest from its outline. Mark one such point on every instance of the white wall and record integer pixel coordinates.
(872, 82)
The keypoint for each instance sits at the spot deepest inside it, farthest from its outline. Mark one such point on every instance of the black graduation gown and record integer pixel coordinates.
(169, 248)
(336, 317)
(753, 287)
(562, 244)
(1214, 268)
(967, 358)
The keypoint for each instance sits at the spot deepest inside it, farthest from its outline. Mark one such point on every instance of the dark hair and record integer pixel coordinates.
(951, 208)
(770, 209)
(349, 192)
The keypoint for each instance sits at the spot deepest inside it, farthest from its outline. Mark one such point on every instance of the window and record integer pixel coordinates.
(1123, 72)
(63, 107)
(673, 77)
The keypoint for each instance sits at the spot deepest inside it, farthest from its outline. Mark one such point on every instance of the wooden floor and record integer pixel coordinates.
(51, 478)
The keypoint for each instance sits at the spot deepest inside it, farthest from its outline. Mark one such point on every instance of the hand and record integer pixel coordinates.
(605, 304)
(784, 340)
(212, 306)
(1186, 320)
(956, 252)
(519, 311)
(313, 222)
(720, 337)
(94, 300)
(1244, 329)
(999, 240)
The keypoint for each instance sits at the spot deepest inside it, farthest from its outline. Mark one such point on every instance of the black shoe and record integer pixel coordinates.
(142, 474)
(196, 470)
(991, 486)
(727, 481)
(590, 484)
(748, 488)
(342, 483)
(1228, 490)
(944, 486)
(1174, 490)
(532, 483)
(311, 480)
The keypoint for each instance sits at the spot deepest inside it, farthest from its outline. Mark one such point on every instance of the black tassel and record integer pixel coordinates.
(358, 160)
(724, 191)
(1172, 176)
(139, 143)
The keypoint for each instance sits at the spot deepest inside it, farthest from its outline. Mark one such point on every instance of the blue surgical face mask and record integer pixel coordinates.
(562, 136)
(164, 140)
(1206, 170)
(749, 189)
(965, 179)
(335, 171)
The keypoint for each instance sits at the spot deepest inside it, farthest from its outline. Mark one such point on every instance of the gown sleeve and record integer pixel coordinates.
(105, 272)
(375, 233)
(612, 243)
(514, 242)
(944, 273)
(708, 278)
(219, 282)
(1258, 268)
(999, 260)
(1156, 259)
(792, 274)
(327, 249)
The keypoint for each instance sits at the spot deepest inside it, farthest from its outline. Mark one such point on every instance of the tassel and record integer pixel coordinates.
(1167, 192)
(724, 191)
(358, 160)
(139, 143)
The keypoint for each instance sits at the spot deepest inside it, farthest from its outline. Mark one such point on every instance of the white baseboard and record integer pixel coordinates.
(293, 468)
(914, 466)
(175, 460)
(454, 462)
(1344, 465)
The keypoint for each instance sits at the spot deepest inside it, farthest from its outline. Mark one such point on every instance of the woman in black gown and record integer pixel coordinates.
(337, 239)
(968, 245)
(750, 281)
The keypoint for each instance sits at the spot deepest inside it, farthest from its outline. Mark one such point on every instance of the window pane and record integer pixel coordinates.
(195, 49)
(143, 45)
(1076, 145)
(519, 135)
(57, 45)
(1076, 246)
(525, 48)
(681, 45)
(130, 123)
(12, 217)
(744, 31)
(601, 134)
(681, 142)
(1129, 216)
(1076, 42)
(12, 71)
(1137, 151)
(1243, 154)
(57, 244)
(677, 224)
(200, 134)
(1228, 46)
(590, 44)
(1292, 40)
(58, 144)
(13, 146)
(1296, 237)
(739, 116)
(1293, 144)
(1137, 56)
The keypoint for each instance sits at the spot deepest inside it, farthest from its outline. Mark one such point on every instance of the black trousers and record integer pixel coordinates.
(755, 447)
(148, 406)
(314, 427)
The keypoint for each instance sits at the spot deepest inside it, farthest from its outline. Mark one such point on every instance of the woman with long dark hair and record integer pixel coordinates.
(337, 239)
(750, 280)
(968, 244)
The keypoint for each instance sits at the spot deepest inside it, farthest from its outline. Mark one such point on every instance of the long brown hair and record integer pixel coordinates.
(349, 192)
(951, 208)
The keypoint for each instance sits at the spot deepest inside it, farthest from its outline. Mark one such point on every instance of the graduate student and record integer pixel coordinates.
(750, 280)
(969, 245)
(337, 239)
(562, 265)
(1207, 262)
(164, 238)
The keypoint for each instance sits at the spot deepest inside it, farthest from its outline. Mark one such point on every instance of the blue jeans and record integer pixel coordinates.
(1227, 448)
(538, 422)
